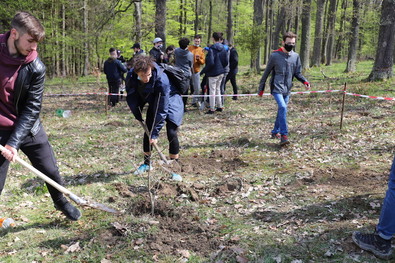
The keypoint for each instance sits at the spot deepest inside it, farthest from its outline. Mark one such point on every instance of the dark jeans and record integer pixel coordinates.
(39, 151)
(232, 77)
(113, 87)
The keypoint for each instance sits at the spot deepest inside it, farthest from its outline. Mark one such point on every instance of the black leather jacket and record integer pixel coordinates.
(28, 89)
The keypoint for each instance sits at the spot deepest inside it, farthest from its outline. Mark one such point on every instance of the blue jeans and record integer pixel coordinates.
(386, 226)
(280, 126)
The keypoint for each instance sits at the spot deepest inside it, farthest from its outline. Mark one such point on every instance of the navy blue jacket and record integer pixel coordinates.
(114, 69)
(217, 60)
(161, 97)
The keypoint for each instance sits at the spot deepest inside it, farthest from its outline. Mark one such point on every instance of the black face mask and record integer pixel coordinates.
(288, 47)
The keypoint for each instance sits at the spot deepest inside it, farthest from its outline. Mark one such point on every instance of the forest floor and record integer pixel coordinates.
(243, 198)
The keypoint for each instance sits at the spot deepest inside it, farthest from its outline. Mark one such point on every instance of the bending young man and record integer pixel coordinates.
(22, 85)
(284, 64)
(148, 84)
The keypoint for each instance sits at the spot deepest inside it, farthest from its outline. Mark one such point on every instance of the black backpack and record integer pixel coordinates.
(177, 77)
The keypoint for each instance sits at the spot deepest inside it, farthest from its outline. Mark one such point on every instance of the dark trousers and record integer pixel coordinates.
(171, 128)
(39, 151)
(232, 77)
(113, 87)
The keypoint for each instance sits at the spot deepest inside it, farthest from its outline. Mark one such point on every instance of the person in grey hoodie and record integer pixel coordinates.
(216, 63)
(284, 64)
(184, 60)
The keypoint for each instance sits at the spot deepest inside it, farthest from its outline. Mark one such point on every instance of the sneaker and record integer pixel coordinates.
(70, 211)
(275, 136)
(284, 140)
(234, 98)
(380, 247)
(142, 169)
(219, 109)
(210, 112)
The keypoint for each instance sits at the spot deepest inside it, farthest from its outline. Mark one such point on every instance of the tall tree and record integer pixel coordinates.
(269, 26)
(210, 21)
(256, 35)
(331, 31)
(353, 46)
(160, 20)
(86, 38)
(229, 28)
(383, 63)
(318, 32)
(138, 12)
(305, 38)
(196, 23)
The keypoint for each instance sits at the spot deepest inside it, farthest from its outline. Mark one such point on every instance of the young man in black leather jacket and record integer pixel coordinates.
(21, 89)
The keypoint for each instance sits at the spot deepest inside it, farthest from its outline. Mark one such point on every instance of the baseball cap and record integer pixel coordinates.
(136, 45)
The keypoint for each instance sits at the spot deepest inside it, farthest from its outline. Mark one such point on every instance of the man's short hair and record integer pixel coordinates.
(289, 35)
(143, 63)
(111, 50)
(217, 36)
(197, 36)
(25, 22)
(183, 42)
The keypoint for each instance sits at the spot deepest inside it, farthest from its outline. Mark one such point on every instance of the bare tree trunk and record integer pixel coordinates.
(196, 25)
(86, 39)
(181, 18)
(269, 26)
(383, 63)
(210, 21)
(352, 50)
(160, 20)
(331, 31)
(340, 44)
(279, 27)
(316, 58)
(305, 39)
(64, 61)
(138, 12)
(256, 35)
(229, 29)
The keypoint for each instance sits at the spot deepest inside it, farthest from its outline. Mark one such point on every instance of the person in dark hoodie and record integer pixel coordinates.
(216, 63)
(147, 83)
(114, 70)
(184, 60)
(22, 77)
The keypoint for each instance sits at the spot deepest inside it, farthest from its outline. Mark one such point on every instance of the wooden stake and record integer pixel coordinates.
(344, 98)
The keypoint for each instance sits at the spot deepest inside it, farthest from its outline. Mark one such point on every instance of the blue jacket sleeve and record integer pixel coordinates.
(162, 94)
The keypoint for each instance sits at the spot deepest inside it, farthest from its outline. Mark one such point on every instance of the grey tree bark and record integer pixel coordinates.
(160, 20)
(353, 46)
(316, 57)
(305, 38)
(383, 64)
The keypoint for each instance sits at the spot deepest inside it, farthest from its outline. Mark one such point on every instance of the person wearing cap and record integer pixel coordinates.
(137, 49)
(156, 52)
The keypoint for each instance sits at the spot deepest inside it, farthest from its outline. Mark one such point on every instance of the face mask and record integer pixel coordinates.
(196, 45)
(288, 47)
(138, 77)
(159, 46)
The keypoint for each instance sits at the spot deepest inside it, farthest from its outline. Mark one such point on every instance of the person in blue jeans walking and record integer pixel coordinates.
(379, 242)
(284, 64)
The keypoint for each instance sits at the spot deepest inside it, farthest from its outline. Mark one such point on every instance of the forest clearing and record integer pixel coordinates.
(243, 198)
